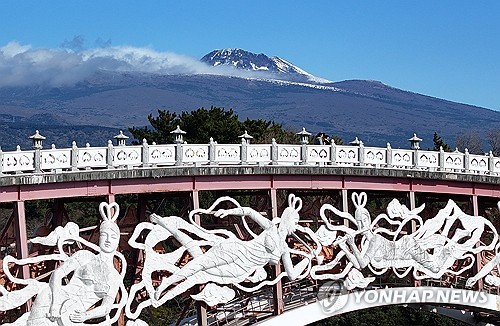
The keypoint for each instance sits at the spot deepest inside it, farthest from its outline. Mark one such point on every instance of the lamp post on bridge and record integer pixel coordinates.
(120, 139)
(415, 142)
(37, 140)
(304, 140)
(178, 133)
(179, 140)
(415, 145)
(246, 137)
(37, 146)
(304, 136)
(245, 140)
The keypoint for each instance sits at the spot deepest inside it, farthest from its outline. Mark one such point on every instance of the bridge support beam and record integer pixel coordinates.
(478, 264)
(413, 205)
(278, 304)
(201, 307)
(21, 237)
(21, 243)
(58, 213)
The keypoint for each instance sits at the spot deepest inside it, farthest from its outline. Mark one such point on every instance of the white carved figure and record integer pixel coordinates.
(93, 286)
(430, 251)
(229, 260)
(486, 269)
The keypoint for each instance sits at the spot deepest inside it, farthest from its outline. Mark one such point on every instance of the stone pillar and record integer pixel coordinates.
(491, 165)
(441, 158)
(211, 151)
(361, 154)
(74, 156)
(243, 151)
(388, 157)
(466, 160)
(178, 154)
(333, 153)
(145, 153)
(109, 157)
(274, 152)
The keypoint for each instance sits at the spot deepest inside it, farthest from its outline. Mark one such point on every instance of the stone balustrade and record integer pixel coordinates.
(54, 160)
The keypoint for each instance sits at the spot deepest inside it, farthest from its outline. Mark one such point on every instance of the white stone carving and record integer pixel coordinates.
(91, 290)
(229, 260)
(430, 251)
(218, 262)
(486, 270)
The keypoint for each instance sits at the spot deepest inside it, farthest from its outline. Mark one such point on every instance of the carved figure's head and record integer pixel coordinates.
(290, 217)
(109, 232)
(361, 214)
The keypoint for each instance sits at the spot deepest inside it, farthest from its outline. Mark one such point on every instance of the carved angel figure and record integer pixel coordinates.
(95, 282)
(430, 251)
(486, 270)
(229, 260)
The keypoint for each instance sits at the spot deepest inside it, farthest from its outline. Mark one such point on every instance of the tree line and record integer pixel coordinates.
(471, 140)
(225, 127)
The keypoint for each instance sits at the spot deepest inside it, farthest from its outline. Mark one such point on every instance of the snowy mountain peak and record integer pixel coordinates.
(246, 60)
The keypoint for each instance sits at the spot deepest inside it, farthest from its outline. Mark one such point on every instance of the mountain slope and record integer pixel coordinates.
(374, 112)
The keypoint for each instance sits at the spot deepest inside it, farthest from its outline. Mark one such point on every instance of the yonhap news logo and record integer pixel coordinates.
(333, 296)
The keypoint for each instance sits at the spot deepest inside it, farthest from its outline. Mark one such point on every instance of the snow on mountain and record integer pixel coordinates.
(245, 60)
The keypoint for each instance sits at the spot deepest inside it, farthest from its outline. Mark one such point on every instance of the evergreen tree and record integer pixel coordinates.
(220, 124)
(439, 142)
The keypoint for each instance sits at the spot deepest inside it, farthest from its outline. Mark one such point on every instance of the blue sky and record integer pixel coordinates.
(447, 49)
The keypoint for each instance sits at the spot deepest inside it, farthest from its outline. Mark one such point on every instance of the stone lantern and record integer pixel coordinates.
(120, 139)
(356, 142)
(37, 140)
(415, 142)
(246, 137)
(178, 135)
(304, 136)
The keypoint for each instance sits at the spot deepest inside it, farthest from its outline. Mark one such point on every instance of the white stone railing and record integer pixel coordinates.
(145, 155)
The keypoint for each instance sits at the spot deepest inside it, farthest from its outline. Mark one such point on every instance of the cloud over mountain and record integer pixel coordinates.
(23, 65)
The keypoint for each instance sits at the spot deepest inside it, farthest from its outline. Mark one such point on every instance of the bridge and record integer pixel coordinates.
(147, 177)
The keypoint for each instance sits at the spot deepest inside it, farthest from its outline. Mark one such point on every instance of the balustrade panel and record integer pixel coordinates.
(402, 158)
(288, 154)
(53, 159)
(454, 161)
(428, 159)
(21, 161)
(192, 153)
(478, 163)
(127, 155)
(347, 155)
(228, 153)
(259, 154)
(161, 154)
(318, 154)
(92, 157)
(375, 155)
(496, 165)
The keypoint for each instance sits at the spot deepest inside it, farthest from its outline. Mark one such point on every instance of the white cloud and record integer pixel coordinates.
(23, 65)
